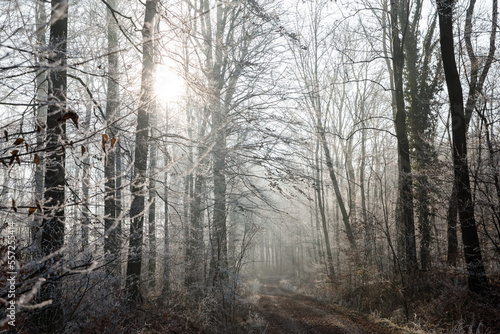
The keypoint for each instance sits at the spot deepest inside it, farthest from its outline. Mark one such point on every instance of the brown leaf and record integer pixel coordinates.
(36, 159)
(74, 117)
(4, 163)
(105, 139)
(27, 146)
(70, 114)
(38, 205)
(113, 141)
(83, 150)
(31, 211)
(19, 141)
(18, 160)
(6, 134)
(38, 128)
(14, 206)
(13, 157)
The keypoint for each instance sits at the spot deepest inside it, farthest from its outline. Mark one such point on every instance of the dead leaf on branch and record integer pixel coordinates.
(105, 139)
(14, 206)
(31, 211)
(19, 141)
(36, 159)
(70, 114)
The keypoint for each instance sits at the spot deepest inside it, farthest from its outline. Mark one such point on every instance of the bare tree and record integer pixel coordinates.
(137, 207)
(472, 250)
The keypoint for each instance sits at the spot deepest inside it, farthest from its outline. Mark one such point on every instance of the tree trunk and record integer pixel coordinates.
(41, 115)
(405, 191)
(333, 177)
(50, 318)
(166, 236)
(134, 261)
(477, 280)
(152, 206)
(319, 197)
(111, 242)
(86, 185)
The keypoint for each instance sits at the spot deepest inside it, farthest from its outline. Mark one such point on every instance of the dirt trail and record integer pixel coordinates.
(287, 312)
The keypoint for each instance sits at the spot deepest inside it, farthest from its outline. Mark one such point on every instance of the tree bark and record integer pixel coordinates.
(137, 207)
(319, 196)
(41, 114)
(405, 191)
(50, 318)
(111, 242)
(477, 280)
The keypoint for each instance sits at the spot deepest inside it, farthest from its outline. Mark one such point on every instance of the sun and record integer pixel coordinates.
(169, 86)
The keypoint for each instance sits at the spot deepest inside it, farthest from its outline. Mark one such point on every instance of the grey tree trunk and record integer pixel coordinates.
(50, 318)
(41, 115)
(152, 207)
(166, 236)
(111, 223)
(137, 208)
(319, 196)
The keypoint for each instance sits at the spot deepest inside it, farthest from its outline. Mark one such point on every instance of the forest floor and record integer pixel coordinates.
(285, 311)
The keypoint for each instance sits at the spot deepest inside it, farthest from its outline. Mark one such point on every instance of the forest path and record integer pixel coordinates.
(287, 312)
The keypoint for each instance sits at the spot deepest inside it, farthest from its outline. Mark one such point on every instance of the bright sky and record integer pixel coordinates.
(168, 85)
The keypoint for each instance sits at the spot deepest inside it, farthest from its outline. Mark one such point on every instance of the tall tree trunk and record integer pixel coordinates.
(319, 197)
(137, 208)
(111, 242)
(50, 318)
(333, 177)
(166, 235)
(194, 277)
(86, 185)
(41, 114)
(219, 257)
(451, 218)
(421, 88)
(153, 151)
(369, 235)
(152, 205)
(405, 191)
(477, 280)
